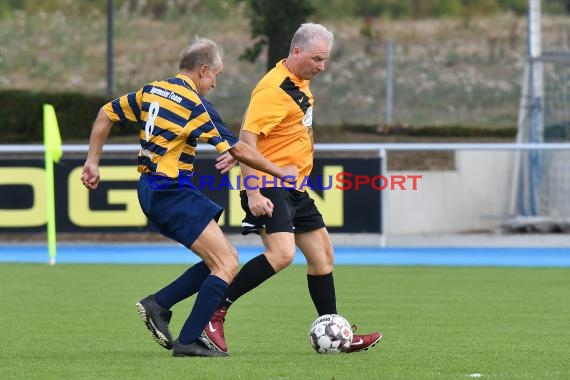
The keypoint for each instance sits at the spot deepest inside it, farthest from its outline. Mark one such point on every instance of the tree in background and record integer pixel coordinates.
(273, 23)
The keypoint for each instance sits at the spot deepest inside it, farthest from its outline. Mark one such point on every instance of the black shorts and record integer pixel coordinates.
(293, 211)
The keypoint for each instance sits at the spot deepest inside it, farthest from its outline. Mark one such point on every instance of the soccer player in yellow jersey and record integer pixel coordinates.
(278, 122)
(173, 116)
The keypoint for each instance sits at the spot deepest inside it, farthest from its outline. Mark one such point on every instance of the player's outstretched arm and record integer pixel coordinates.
(245, 153)
(99, 134)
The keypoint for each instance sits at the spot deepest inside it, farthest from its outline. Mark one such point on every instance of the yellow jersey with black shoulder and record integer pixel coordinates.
(280, 112)
(172, 117)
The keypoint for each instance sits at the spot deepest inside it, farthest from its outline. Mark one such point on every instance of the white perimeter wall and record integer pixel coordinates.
(473, 197)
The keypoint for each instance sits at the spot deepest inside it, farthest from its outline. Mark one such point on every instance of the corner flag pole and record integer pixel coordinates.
(52, 144)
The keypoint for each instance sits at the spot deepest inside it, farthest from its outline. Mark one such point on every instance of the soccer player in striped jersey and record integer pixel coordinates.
(279, 123)
(173, 116)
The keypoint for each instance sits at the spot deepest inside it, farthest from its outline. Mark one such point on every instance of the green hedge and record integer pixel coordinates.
(22, 116)
(434, 131)
(22, 120)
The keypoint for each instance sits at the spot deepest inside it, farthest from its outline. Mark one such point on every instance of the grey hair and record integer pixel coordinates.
(308, 34)
(201, 51)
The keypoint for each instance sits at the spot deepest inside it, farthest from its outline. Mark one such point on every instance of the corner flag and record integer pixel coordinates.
(53, 152)
(52, 138)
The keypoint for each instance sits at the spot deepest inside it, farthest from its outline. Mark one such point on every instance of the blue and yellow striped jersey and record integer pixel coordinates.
(172, 118)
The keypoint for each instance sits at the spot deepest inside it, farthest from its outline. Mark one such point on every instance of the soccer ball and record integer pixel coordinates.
(330, 334)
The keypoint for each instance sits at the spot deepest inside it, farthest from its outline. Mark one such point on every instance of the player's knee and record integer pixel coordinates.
(281, 258)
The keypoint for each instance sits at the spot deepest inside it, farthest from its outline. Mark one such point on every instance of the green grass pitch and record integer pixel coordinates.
(79, 322)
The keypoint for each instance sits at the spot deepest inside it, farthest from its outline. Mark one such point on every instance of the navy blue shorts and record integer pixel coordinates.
(176, 207)
(293, 211)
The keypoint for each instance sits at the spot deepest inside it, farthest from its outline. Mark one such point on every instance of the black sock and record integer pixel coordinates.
(321, 289)
(251, 275)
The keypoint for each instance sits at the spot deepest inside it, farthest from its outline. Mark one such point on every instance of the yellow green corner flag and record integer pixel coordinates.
(52, 138)
(53, 152)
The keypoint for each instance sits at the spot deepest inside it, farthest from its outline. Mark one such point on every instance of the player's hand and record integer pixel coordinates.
(259, 205)
(291, 174)
(225, 162)
(90, 176)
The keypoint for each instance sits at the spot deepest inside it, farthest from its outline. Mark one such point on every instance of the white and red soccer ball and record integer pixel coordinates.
(330, 334)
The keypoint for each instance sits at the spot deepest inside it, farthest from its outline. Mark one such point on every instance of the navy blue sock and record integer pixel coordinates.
(207, 301)
(183, 287)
